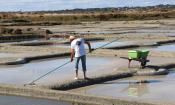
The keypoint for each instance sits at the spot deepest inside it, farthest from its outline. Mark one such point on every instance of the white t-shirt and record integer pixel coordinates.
(78, 46)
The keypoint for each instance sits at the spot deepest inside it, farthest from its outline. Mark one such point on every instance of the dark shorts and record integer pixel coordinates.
(83, 61)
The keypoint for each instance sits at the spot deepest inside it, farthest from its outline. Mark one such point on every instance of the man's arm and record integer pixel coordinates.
(89, 46)
(72, 55)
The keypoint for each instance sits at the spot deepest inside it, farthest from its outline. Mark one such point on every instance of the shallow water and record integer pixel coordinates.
(17, 100)
(170, 48)
(156, 31)
(25, 73)
(98, 44)
(159, 89)
(102, 43)
(5, 55)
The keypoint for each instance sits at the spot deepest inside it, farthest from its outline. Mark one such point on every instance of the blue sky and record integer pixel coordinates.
(34, 5)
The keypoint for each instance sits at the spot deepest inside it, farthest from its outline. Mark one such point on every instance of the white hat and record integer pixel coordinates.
(71, 37)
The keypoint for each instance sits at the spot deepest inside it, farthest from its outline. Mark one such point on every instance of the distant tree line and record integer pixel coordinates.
(91, 10)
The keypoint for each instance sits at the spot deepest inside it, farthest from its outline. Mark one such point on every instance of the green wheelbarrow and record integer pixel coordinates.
(138, 55)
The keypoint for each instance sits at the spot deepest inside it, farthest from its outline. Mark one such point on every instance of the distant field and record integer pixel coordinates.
(74, 17)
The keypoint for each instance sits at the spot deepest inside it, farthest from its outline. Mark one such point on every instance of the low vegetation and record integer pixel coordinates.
(76, 16)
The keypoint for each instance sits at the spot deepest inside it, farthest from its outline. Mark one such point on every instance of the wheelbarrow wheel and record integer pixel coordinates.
(143, 63)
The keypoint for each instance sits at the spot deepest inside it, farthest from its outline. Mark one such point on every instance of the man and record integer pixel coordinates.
(78, 50)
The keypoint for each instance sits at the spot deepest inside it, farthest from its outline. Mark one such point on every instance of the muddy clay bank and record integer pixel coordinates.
(74, 97)
(24, 54)
(32, 50)
(44, 93)
(125, 73)
(29, 59)
(166, 61)
(157, 88)
(23, 60)
(29, 53)
(66, 96)
(155, 67)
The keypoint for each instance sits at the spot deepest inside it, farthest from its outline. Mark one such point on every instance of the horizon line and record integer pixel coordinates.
(87, 8)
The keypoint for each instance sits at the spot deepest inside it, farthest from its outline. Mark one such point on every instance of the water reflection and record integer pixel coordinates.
(136, 89)
(156, 88)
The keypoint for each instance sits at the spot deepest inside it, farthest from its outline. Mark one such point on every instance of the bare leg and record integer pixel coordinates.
(76, 73)
(76, 67)
(83, 61)
(129, 63)
(84, 72)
